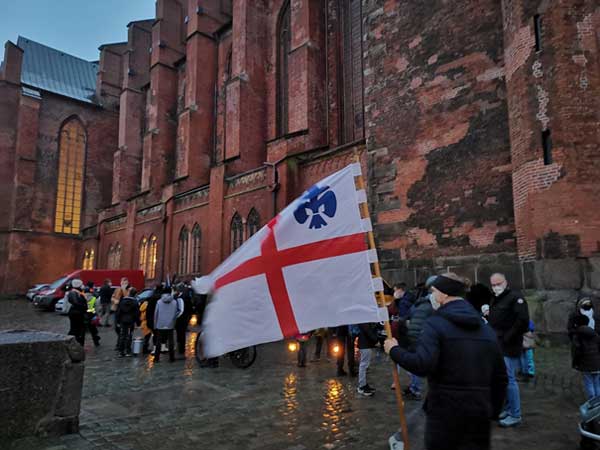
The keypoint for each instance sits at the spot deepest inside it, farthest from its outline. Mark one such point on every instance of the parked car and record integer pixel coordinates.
(34, 290)
(48, 298)
(63, 306)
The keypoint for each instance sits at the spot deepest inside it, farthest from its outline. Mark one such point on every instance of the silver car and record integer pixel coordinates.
(34, 290)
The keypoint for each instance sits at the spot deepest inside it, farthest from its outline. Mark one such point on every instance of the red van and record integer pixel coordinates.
(48, 297)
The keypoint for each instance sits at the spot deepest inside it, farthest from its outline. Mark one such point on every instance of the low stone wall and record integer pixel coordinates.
(551, 286)
(40, 384)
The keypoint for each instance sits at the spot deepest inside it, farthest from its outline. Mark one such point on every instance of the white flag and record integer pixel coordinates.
(306, 269)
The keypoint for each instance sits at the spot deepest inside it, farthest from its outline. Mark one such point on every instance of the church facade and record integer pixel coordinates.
(478, 129)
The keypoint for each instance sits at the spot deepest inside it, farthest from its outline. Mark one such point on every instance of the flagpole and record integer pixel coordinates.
(381, 302)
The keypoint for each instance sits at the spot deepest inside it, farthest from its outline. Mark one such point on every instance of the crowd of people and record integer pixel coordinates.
(163, 318)
(471, 342)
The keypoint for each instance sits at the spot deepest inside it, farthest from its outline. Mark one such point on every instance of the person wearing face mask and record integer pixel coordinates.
(509, 317)
(466, 375)
(585, 346)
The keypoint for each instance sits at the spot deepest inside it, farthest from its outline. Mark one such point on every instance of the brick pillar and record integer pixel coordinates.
(127, 162)
(110, 74)
(216, 232)
(196, 122)
(159, 141)
(246, 92)
(25, 161)
(307, 72)
(554, 90)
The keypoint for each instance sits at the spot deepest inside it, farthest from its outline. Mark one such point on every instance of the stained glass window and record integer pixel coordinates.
(70, 178)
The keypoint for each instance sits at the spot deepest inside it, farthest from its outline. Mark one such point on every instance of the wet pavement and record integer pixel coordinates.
(132, 403)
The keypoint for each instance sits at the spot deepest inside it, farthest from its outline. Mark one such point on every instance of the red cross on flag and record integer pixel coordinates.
(308, 268)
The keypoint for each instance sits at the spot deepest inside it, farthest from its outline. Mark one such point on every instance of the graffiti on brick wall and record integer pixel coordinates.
(541, 94)
(585, 31)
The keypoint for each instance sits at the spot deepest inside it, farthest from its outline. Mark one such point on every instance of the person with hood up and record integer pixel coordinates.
(461, 358)
(78, 310)
(585, 346)
(167, 311)
(126, 317)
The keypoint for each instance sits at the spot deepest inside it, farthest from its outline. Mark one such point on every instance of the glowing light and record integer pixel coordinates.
(292, 346)
(336, 349)
(194, 320)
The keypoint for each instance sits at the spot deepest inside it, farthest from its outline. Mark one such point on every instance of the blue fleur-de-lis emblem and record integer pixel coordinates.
(320, 201)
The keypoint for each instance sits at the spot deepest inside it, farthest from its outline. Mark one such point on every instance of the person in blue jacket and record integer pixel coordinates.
(460, 356)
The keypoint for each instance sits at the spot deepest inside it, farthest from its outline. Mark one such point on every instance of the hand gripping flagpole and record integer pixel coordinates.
(364, 207)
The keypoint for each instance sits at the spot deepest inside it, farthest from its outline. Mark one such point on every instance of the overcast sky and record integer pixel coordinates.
(77, 27)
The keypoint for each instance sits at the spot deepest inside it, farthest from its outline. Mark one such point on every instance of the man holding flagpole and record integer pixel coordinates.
(467, 379)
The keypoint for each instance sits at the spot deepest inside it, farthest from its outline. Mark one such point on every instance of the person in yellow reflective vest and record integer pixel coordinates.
(90, 316)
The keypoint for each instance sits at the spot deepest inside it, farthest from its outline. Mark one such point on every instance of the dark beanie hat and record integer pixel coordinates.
(449, 286)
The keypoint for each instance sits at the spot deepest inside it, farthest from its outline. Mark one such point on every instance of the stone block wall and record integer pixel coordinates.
(41, 381)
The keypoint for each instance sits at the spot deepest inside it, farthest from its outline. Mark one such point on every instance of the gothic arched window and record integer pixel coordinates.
(351, 80)
(86, 257)
(117, 256)
(72, 140)
(88, 260)
(284, 42)
(253, 222)
(196, 241)
(143, 258)
(237, 232)
(184, 238)
(152, 257)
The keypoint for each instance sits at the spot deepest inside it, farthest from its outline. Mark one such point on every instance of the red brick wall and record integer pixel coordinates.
(31, 252)
(555, 89)
(437, 129)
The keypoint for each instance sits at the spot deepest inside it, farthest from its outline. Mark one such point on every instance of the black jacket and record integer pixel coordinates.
(585, 349)
(419, 313)
(151, 308)
(128, 311)
(183, 320)
(105, 294)
(78, 303)
(509, 317)
(367, 338)
(460, 356)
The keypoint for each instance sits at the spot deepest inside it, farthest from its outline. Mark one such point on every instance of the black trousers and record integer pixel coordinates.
(125, 337)
(302, 353)
(77, 327)
(165, 335)
(346, 344)
(181, 329)
(318, 346)
(457, 433)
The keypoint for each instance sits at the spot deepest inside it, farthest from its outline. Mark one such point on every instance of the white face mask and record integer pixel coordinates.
(397, 295)
(499, 289)
(124, 286)
(435, 304)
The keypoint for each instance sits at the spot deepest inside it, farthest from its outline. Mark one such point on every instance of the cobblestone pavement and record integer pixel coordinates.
(131, 403)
